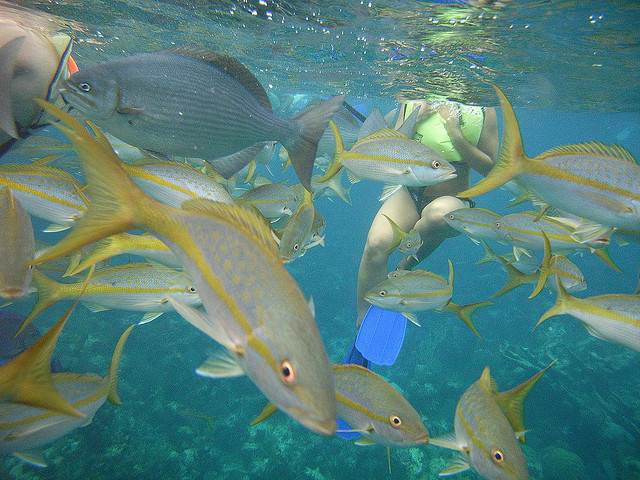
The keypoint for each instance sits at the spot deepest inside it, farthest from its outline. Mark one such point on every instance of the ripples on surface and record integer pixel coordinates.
(563, 54)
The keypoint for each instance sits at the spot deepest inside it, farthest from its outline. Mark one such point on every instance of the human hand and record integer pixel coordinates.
(450, 113)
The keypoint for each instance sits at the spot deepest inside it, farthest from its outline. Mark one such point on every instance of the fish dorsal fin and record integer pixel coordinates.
(231, 67)
(613, 152)
(112, 377)
(373, 123)
(511, 402)
(27, 378)
(384, 133)
(487, 382)
(244, 218)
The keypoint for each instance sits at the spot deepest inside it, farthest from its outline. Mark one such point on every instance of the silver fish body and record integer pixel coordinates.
(411, 291)
(45, 192)
(397, 161)
(604, 190)
(17, 247)
(274, 200)
(193, 104)
(477, 223)
(174, 183)
(366, 401)
(24, 428)
(482, 431)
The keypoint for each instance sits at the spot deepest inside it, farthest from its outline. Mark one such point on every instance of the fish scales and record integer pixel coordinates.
(225, 112)
(17, 247)
(482, 426)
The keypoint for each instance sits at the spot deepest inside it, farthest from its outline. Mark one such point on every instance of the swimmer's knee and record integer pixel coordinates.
(378, 244)
(436, 211)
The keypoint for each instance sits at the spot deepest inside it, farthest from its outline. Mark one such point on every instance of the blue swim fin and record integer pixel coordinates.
(355, 357)
(381, 335)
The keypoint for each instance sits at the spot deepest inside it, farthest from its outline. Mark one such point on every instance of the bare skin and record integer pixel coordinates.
(430, 223)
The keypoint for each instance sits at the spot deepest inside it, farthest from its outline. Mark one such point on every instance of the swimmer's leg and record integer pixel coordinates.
(433, 229)
(373, 265)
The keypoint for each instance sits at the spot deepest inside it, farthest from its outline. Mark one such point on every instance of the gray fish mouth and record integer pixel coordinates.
(75, 97)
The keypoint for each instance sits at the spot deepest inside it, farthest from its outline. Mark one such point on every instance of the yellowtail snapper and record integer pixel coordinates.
(254, 308)
(487, 423)
(591, 180)
(419, 290)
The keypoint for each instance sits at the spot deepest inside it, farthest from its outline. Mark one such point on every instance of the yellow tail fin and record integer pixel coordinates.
(112, 378)
(50, 292)
(561, 306)
(464, 312)
(27, 378)
(336, 165)
(511, 402)
(103, 250)
(545, 268)
(512, 158)
(115, 199)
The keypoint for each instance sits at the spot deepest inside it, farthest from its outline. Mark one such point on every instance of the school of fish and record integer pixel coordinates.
(170, 177)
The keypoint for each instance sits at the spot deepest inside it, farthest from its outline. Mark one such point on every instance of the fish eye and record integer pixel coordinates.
(497, 456)
(191, 289)
(296, 247)
(395, 421)
(435, 164)
(85, 87)
(451, 217)
(382, 293)
(287, 372)
(497, 224)
(408, 244)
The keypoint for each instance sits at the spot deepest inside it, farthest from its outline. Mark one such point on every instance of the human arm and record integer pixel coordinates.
(482, 157)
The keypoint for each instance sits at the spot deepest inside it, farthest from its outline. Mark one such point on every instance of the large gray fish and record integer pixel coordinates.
(487, 423)
(195, 104)
(17, 247)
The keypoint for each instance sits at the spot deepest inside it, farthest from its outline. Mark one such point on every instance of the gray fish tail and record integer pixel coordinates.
(309, 125)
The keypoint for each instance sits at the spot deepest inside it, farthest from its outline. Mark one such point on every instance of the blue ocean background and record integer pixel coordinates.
(583, 417)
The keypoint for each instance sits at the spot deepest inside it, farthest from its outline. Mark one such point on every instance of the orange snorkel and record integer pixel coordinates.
(72, 66)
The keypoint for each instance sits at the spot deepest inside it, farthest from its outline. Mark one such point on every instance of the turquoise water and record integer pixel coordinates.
(583, 416)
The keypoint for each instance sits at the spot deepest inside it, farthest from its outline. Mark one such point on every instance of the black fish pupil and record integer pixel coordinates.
(286, 372)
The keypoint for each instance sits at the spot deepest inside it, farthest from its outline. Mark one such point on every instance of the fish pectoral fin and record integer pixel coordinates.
(446, 441)
(519, 252)
(201, 321)
(352, 177)
(94, 307)
(17, 435)
(364, 442)
(129, 110)
(32, 457)
(149, 317)
(412, 318)
(593, 332)
(458, 466)
(587, 232)
(54, 228)
(389, 190)
(220, 365)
